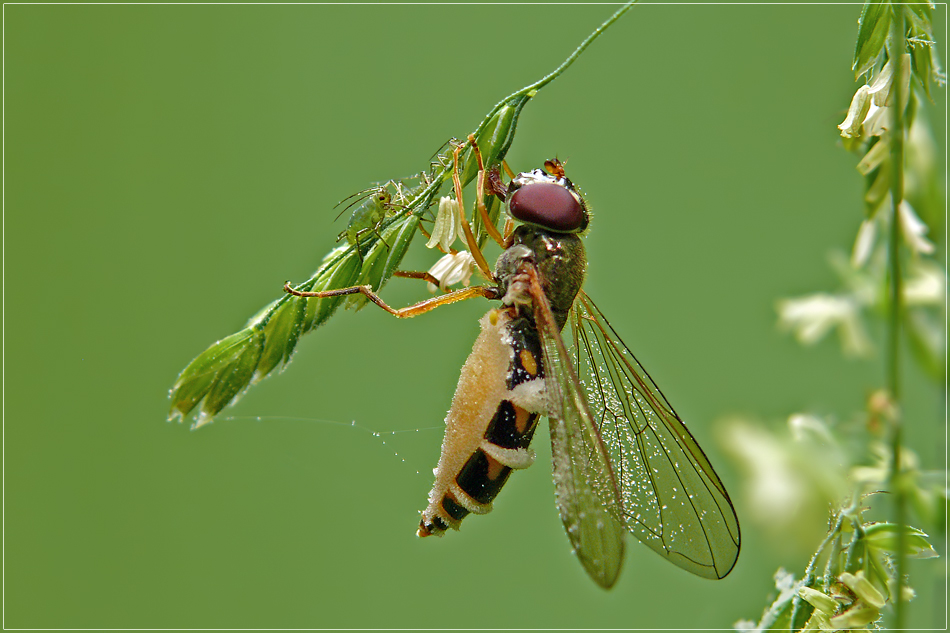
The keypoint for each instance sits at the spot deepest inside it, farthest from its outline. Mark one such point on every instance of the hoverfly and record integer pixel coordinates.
(623, 460)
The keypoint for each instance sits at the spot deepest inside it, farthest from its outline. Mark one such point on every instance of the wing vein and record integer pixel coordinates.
(656, 459)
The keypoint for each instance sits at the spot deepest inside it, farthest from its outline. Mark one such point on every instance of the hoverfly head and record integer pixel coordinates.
(549, 201)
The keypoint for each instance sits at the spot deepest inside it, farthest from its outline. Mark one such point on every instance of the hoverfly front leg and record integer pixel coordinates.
(417, 274)
(402, 313)
(480, 195)
(466, 228)
(499, 189)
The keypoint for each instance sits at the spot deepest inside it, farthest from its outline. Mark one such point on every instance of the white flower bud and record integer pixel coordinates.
(914, 230)
(856, 617)
(448, 224)
(451, 269)
(821, 601)
(812, 317)
(863, 589)
(882, 86)
(860, 103)
(863, 243)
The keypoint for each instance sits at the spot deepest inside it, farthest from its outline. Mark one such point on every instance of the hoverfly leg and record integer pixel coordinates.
(498, 188)
(480, 195)
(402, 313)
(417, 274)
(466, 228)
(509, 229)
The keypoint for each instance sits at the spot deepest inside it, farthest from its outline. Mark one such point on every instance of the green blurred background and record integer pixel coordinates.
(169, 167)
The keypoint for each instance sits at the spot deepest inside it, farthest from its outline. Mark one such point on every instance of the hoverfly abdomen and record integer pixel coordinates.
(493, 418)
(515, 420)
(512, 427)
(527, 364)
(482, 477)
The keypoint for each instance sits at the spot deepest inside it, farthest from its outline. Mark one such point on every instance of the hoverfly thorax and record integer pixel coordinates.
(549, 201)
(560, 259)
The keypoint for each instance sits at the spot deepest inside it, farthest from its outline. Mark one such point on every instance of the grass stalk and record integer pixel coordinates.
(895, 51)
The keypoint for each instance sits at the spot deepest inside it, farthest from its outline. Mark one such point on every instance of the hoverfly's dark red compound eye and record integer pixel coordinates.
(547, 203)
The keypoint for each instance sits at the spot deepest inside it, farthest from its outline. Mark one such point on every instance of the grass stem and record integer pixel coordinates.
(896, 50)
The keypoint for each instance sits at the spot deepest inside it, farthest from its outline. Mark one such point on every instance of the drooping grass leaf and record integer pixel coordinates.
(399, 240)
(337, 272)
(217, 375)
(233, 379)
(884, 536)
(923, 50)
(873, 26)
(281, 335)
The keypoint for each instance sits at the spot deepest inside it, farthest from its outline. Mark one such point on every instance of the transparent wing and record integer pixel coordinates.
(672, 499)
(585, 489)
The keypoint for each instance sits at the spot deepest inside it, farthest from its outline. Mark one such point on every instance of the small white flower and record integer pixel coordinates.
(878, 153)
(851, 126)
(864, 243)
(821, 601)
(812, 317)
(922, 161)
(878, 120)
(448, 224)
(882, 86)
(776, 490)
(806, 427)
(451, 269)
(926, 284)
(857, 617)
(914, 230)
(818, 622)
(863, 588)
(872, 105)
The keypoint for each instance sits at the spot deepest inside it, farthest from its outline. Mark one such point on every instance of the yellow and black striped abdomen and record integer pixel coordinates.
(493, 418)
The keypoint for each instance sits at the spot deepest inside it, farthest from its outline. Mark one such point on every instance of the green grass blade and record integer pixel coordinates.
(341, 273)
(204, 373)
(281, 335)
(873, 26)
